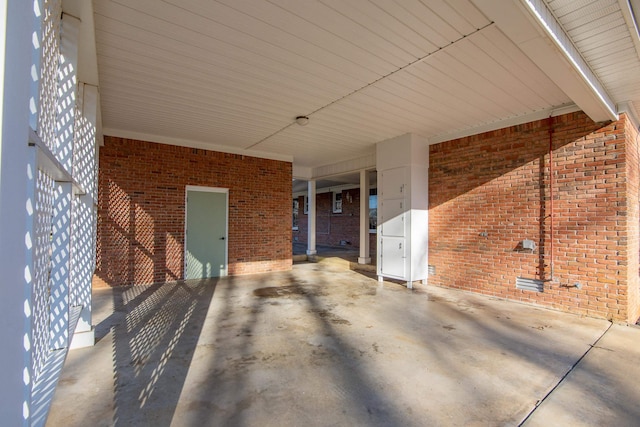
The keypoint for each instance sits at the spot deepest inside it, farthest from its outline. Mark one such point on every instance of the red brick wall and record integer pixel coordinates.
(141, 210)
(633, 220)
(498, 183)
(331, 227)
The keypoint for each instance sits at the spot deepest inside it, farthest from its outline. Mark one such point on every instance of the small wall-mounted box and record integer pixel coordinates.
(529, 244)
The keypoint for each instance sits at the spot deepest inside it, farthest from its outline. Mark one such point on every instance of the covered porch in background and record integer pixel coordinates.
(336, 214)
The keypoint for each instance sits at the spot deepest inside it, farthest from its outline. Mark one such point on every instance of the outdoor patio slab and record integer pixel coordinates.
(602, 389)
(326, 346)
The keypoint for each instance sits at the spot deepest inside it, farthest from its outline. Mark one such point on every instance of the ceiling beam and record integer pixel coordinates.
(534, 29)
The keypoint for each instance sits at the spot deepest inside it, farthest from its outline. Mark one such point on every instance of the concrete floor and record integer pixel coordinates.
(323, 346)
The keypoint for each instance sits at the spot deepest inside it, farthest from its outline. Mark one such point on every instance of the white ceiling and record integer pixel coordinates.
(232, 75)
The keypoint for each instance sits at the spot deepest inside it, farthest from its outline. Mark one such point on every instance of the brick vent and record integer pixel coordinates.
(489, 192)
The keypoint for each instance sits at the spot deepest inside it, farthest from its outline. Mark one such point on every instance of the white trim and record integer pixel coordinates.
(632, 113)
(631, 12)
(294, 200)
(333, 188)
(334, 201)
(311, 219)
(206, 189)
(373, 230)
(159, 139)
(562, 40)
(226, 226)
(535, 31)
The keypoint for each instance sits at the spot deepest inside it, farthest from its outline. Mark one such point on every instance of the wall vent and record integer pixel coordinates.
(431, 270)
(529, 284)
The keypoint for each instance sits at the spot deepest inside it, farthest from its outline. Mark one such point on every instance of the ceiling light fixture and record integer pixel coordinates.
(302, 120)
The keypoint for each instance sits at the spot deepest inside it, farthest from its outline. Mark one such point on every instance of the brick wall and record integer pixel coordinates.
(488, 192)
(141, 210)
(633, 219)
(331, 228)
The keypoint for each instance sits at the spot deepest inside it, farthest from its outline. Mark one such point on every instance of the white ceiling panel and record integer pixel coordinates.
(600, 32)
(236, 73)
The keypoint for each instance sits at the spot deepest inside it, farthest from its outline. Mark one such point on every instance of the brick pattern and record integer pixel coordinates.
(141, 210)
(633, 220)
(331, 227)
(489, 192)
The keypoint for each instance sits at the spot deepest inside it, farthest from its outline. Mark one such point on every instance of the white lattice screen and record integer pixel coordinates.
(50, 56)
(60, 235)
(41, 271)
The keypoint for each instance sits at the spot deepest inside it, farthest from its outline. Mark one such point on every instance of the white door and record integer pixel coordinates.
(393, 257)
(206, 232)
(392, 218)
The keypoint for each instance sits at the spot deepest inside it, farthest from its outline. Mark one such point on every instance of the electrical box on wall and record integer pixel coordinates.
(403, 203)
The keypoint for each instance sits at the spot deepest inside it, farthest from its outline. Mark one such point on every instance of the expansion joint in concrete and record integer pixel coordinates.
(541, 401)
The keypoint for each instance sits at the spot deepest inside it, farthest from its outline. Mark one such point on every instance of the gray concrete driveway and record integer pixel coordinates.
(321, 346)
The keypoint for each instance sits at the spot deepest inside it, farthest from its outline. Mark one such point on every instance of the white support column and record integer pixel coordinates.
(67, 81)
(16, 17)
(83, 266)
(60, 266)
(311, 218)
(84, 216)
(365, 252)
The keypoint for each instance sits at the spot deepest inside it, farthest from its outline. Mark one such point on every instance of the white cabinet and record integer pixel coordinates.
(403, 172)
(393, 254)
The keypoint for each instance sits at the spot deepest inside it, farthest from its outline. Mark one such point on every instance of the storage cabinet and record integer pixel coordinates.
(403, 173)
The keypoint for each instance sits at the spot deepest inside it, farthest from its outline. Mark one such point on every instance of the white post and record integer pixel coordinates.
(365, 253)
(60, 266)
(83, 265)
(16, 18)
(84, 226)
(311, 218)
(67, 81)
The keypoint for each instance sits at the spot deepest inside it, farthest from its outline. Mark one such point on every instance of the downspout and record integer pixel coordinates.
(551, 228)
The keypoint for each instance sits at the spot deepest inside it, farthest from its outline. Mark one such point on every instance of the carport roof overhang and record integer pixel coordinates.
(233, 75)
(532, 32)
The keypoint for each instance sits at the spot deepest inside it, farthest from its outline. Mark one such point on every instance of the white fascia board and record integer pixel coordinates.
(631, 12)
(534, 29)
(160, 139)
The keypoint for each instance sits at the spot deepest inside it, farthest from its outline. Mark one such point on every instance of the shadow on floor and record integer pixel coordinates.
(324, 346)
(155, 333)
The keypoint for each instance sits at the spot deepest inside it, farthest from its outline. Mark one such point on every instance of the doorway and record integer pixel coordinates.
(206, 232)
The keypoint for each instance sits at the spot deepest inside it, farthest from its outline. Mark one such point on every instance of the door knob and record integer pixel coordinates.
(222, 238)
